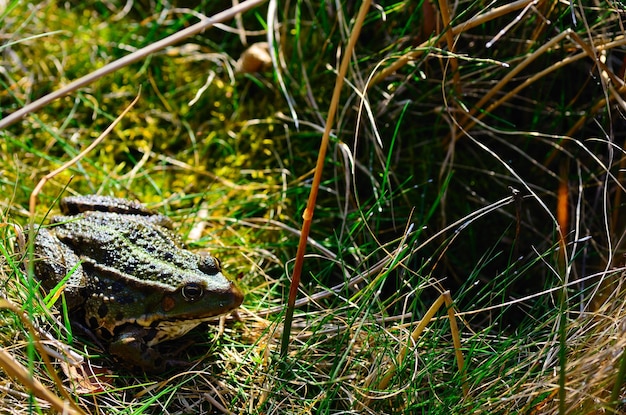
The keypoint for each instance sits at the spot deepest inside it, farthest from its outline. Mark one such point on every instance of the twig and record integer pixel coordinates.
(128, 59)
(317, 178)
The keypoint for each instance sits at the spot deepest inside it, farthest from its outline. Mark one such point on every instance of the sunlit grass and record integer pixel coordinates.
(444, 172)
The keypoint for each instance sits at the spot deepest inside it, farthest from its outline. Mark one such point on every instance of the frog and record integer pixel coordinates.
(129, 277)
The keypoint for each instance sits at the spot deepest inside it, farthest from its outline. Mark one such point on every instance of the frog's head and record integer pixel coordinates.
(174, 310)
(200, 297)
(154, 293)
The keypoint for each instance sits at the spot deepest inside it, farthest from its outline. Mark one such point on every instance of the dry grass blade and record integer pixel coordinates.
(454, 65)
(505, 80)
(444, 298)
(458, 29)
(470, 119)
(17, 371)
(94, 144)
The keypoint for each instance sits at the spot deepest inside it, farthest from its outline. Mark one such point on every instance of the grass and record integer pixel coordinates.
(483, 156)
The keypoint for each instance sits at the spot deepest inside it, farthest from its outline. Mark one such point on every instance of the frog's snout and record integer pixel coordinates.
(236, 296)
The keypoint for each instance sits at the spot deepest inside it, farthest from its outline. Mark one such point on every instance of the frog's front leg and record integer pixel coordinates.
(130, 347)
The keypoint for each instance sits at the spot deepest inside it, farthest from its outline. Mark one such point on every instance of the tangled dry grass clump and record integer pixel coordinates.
(595, 361)
(469, 155)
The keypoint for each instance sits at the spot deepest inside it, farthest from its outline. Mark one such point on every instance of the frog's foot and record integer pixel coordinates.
(131, 348)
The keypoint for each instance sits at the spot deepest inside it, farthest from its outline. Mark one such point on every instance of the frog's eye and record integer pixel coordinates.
(192, 291)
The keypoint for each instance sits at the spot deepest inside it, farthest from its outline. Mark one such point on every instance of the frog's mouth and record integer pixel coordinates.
(173, 329)
(174, 323)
